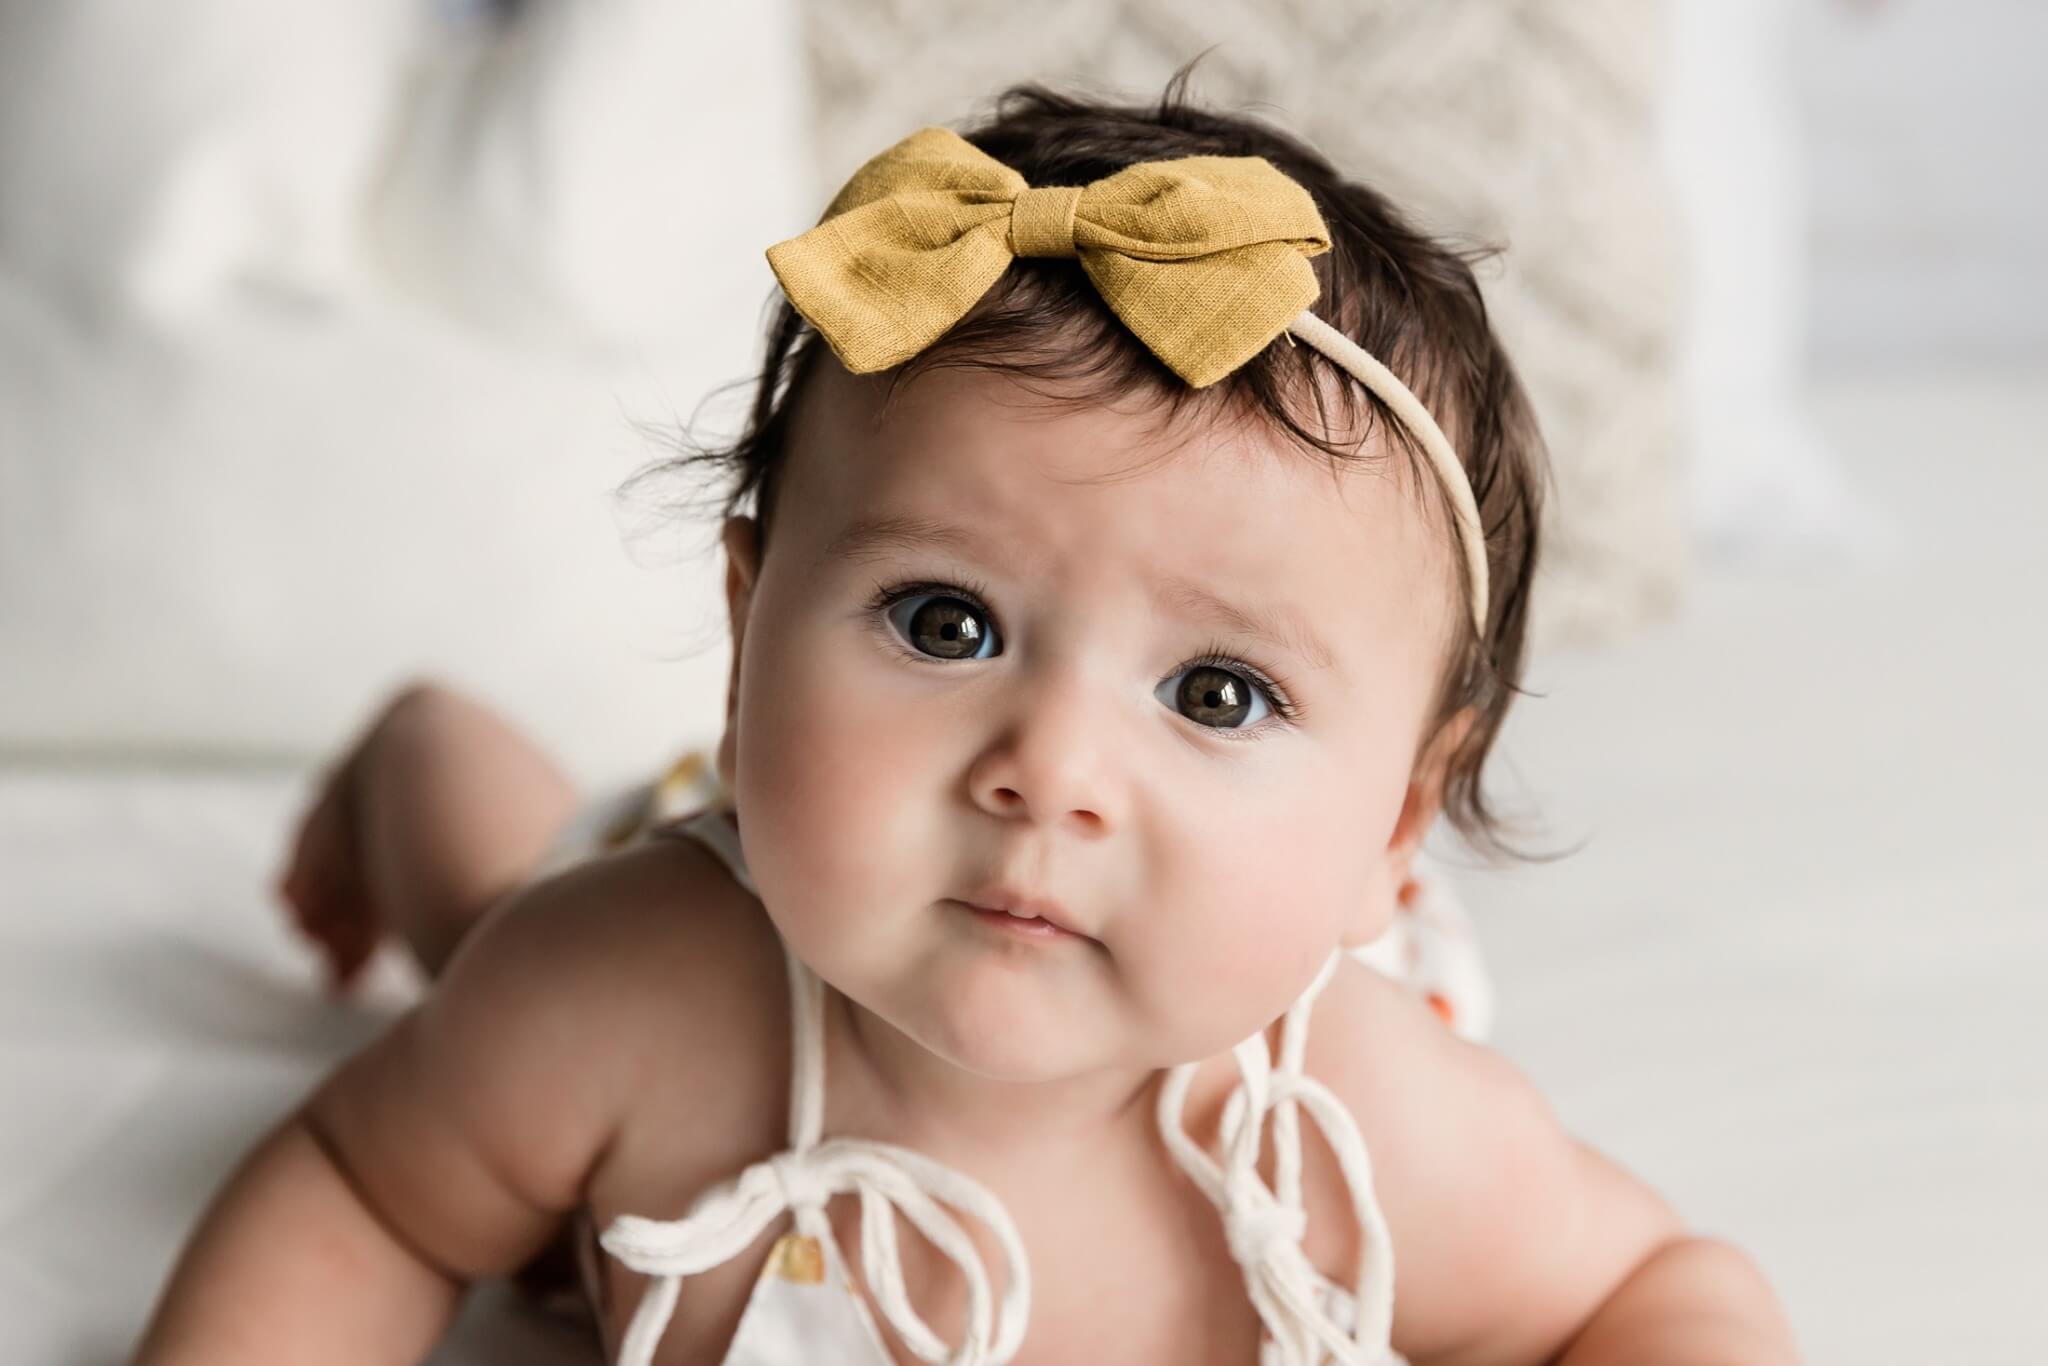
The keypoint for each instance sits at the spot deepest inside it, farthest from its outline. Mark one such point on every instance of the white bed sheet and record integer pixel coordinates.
(1794, 977)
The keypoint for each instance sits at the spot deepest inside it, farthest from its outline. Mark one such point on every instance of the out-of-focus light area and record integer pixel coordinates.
(330, 333)
(1926, 220)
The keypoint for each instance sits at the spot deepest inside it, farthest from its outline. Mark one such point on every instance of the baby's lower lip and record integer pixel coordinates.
(1004, 923)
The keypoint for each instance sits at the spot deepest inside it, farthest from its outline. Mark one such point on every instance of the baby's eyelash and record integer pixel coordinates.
(1277, 691)
(887, 595)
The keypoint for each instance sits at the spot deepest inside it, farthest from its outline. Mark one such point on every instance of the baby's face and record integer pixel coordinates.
(999, 644)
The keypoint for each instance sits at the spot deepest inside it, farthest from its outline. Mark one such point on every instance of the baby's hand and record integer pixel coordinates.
(1693, 1300)
(323, 886)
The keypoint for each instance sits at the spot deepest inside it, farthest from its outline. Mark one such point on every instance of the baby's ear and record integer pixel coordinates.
(1426, 791)
(1419, 810)
(742, 538)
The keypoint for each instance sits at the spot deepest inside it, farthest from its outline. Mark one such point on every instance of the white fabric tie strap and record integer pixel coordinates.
(1264, 1226)
(725, 1220)
(728, 1218)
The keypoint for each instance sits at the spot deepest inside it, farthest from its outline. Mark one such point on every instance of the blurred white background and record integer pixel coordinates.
(324, 333)
(1921, 127)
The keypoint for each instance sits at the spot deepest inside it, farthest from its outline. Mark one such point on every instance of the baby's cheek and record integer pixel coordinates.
(1242, 923)
(825, 788)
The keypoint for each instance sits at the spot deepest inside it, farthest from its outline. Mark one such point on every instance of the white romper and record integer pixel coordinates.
(805, 1310)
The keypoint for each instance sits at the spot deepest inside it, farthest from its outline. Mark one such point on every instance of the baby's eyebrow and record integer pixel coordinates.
(869, 538)
(1276, 626)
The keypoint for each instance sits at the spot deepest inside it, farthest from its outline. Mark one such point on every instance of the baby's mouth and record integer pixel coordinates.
(1028, 917)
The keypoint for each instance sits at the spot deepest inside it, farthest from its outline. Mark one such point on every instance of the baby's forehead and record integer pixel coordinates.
(1130, 485)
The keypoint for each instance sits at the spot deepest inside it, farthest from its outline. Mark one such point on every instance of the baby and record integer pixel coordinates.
(1127, 562)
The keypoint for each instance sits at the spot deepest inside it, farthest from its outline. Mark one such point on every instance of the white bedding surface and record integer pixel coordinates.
(1794, 977)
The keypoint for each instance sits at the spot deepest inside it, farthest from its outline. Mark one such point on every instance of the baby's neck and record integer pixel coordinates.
(938, 1106)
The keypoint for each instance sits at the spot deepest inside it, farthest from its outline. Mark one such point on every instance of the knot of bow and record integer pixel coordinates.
(729, 1217)
(1261, 1231)
(1204, 258)
(1264, 1237)
(1307, 1320)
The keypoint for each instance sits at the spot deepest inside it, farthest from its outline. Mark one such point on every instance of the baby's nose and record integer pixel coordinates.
(1052, 768)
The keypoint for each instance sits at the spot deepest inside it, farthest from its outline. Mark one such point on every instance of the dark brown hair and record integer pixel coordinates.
(1407, 298)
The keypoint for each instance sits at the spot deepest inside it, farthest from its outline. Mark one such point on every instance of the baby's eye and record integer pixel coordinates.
(943, 626)
(1210, 695)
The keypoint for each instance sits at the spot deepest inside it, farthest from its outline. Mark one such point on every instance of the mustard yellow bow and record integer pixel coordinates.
(1205, 258)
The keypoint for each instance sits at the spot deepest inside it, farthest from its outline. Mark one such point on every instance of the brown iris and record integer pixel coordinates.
(1213, 696)
(946, 628)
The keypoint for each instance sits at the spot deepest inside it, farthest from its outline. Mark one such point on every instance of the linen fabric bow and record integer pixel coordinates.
(1204, 258)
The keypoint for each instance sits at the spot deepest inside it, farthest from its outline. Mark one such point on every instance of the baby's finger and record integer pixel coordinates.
(350, 946)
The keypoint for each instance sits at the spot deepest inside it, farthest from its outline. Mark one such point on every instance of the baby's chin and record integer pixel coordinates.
(1004, 1038)
(1015, 1059)
(1000, 1016)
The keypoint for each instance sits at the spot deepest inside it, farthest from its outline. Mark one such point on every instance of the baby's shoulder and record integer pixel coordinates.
(1402, 1072)
(636, 973)
(1455, 1135)
(641, 983)
(678, 986)
(1379, 1045)
(634, 927)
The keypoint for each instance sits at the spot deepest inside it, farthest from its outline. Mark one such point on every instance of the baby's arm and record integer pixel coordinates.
(449, 1149)
(1515, 1244)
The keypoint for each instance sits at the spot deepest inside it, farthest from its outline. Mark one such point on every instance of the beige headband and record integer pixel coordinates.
(1205, 259)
